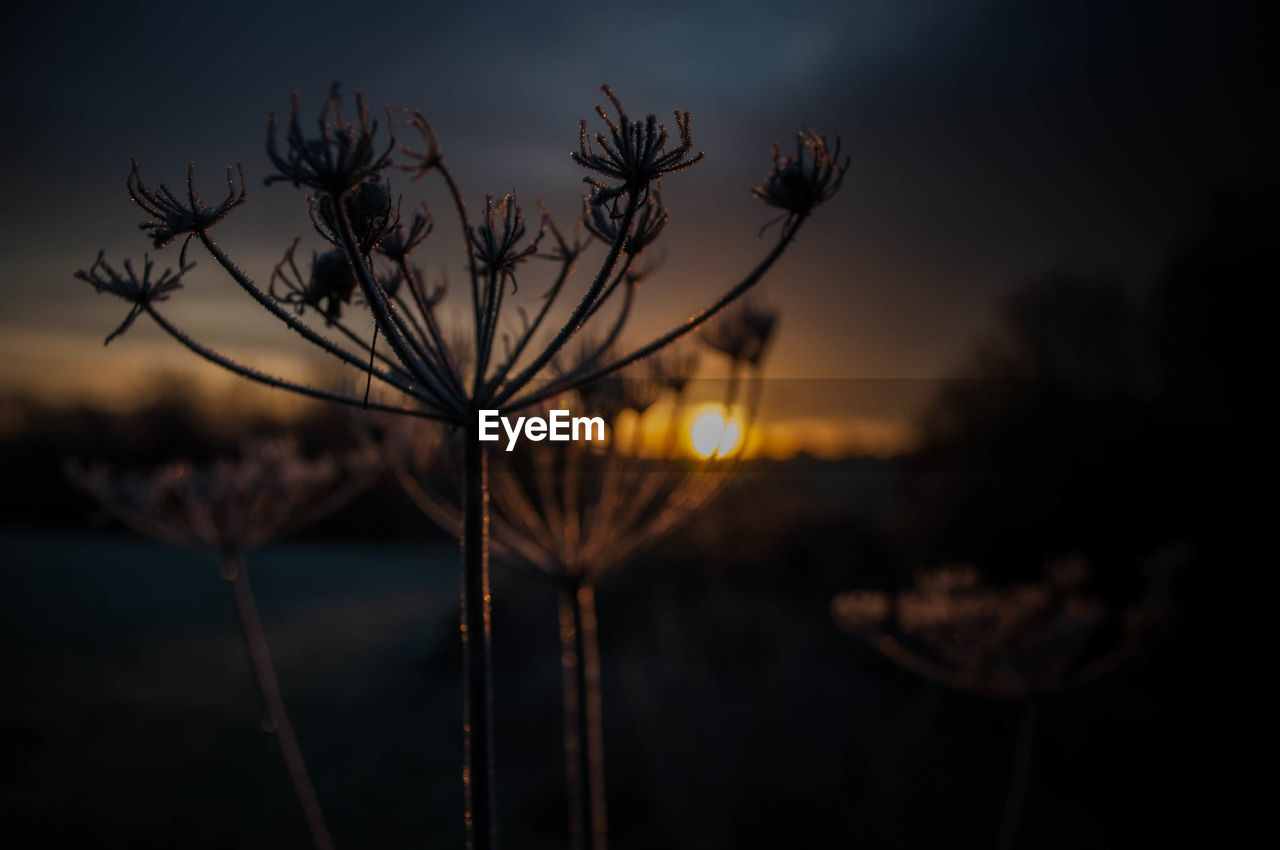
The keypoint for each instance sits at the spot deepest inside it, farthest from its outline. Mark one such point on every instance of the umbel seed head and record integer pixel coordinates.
(634, 153)
(344, 155)
(139, 290)
(797, 184)
(370, 212)
(172, 216)
(602, 221)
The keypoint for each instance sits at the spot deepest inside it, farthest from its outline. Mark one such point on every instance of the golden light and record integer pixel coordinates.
(711, 435)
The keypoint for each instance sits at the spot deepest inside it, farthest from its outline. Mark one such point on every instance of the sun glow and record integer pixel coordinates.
(711, 435)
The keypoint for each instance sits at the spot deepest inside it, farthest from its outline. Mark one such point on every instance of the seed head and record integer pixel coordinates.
(402, 241)
(495, 241)
(342, 157)
(797, 184)
(139, 291)
(329, 284)
(369, 210)
(427, 159)
(634, 154)
(233, 503)
(602, 221)
(171, 217)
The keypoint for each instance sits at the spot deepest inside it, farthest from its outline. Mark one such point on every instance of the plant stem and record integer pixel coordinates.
(1022, 762)
(280, 383)
(255, 639)
(692, 323)
(477, 724)
(583, 722)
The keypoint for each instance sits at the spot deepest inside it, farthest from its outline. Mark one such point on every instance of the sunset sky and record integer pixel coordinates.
(990, 142)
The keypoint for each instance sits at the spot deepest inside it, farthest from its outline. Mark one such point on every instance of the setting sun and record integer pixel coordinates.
(712, 436)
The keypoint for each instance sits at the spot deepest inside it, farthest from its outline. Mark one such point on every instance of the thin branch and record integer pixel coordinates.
(692, 324)
(463, 219)
(579, 314)
(306, 331)
(282, 383)
(566, 268)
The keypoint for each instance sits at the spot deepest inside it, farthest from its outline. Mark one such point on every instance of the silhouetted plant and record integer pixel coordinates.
(1025, 642)
(575, 512)
(343, 166)
(229, 508)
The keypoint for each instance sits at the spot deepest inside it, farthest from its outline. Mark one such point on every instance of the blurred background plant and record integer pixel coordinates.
(1027, 642)
(230, 508)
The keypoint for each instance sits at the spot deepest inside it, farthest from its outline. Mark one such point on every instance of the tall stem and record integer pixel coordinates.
(583, 720)
(477, 724)
(255, 639)
(1023, 758)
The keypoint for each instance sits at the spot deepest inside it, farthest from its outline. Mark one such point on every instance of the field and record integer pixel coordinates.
(736, 714)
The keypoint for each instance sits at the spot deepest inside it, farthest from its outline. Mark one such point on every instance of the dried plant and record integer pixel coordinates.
(572, 513)
(430, 373)
(230, 508)
(1024, 642)
(799, 183)
(139, 291)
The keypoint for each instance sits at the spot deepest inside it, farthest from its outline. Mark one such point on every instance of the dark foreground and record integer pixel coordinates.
(737, 714)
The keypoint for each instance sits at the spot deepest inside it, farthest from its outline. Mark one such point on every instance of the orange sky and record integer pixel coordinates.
(830, 418)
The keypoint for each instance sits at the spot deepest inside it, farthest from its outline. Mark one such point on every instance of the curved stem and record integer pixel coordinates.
(477, 724)
(1024, 757)
(233, 570)
(584, 727)
(689, 325)
(280, 383)
(293, 322)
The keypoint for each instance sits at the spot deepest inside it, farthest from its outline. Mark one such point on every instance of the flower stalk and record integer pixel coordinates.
(583, 717)
(477, 650)
(268, 685)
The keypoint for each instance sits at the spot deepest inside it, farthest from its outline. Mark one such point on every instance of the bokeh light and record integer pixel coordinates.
(711, 435)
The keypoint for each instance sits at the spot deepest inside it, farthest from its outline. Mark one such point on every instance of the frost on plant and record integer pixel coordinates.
(344, 161)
